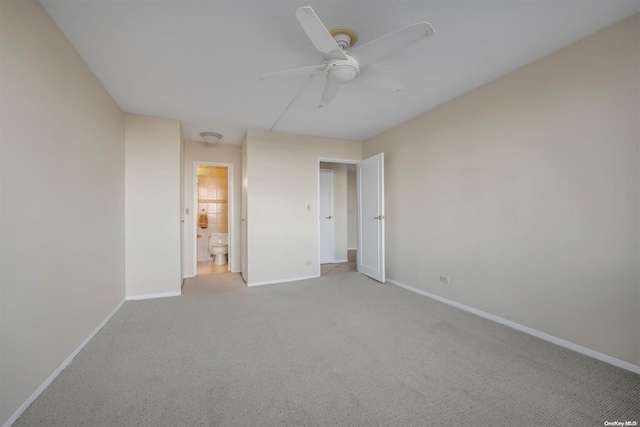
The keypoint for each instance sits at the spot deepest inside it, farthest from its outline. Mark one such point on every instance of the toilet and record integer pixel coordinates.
(218, 246)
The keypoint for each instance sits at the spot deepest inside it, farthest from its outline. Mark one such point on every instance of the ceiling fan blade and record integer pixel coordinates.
(389, 44)
(318, 34)
(374, 77)
(330, 91)
(302, 71)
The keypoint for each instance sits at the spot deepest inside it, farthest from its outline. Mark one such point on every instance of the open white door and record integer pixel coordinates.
(370, 176)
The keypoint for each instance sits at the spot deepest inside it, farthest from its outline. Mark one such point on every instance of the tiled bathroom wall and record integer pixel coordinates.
(213, 199)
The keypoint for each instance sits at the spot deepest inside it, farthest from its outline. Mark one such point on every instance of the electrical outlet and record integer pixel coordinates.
(307, 263)
(444, 279)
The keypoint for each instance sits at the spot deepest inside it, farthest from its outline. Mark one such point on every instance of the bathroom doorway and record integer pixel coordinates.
(213, 209)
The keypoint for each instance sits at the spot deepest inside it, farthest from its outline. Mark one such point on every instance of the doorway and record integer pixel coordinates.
(337, 219)
(367, 223)
(213, 209)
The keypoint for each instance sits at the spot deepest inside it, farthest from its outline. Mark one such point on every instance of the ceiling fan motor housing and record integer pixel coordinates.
(342, 70)
(344, 37)
(343, 40)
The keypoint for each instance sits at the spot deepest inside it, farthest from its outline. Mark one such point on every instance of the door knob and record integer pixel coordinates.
(379, 217)
(330, 217)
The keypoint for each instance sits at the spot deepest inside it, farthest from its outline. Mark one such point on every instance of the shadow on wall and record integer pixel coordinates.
(213, 206)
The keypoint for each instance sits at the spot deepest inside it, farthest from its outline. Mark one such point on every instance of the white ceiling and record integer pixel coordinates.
(199, 61)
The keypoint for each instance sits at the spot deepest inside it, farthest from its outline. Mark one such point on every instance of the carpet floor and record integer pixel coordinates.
(339, 350)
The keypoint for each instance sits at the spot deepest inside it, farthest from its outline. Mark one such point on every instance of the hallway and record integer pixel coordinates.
(340, 267)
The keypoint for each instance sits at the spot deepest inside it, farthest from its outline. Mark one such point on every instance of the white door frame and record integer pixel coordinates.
(328, 160)
(230, 217)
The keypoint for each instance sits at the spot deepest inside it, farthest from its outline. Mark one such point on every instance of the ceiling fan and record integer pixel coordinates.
(342, 66)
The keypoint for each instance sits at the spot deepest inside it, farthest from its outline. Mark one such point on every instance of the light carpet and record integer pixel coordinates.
(340, 350)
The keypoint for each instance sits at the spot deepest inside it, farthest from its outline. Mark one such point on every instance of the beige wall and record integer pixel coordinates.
(352, 210)
(282, 179)
(339, 209)
(524, 192)
(197, 151)
(62, 187)
(152, 208)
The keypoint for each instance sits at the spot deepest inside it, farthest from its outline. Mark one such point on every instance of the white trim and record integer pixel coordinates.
(230, 218)
(352, 249)
(270, 282)
(345, 161)
(335, 261)
(153, 296)
(13, 418)
(236, 271)
(189, 277)
(527, 330)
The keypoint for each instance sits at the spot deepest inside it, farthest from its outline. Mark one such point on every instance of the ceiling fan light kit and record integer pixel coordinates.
(342, 71)
(342, 66)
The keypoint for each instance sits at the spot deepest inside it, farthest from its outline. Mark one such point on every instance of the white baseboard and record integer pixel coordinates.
(352, 249)
(13, 418)
(153, 296)
(527, 330)
(270, 282)
(236, 271)
(335, 261)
